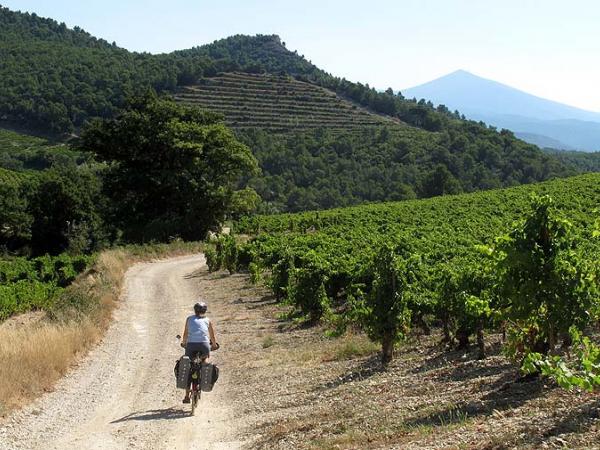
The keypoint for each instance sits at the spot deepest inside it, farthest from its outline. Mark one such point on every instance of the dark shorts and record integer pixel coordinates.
(194, 348)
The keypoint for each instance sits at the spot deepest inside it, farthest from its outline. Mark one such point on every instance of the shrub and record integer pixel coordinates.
(255, 273)
(24, 296)
(212, 260)
(384, 311)
(546, 287)
(280, 276)
(308, 292)
(230, 254)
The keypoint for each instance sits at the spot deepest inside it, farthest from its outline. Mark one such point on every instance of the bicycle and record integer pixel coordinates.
(196, 379)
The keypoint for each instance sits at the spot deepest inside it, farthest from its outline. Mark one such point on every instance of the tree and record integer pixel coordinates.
(65, 204)
(172, 168)
(15, 221)
(244, 202)
(440, 181)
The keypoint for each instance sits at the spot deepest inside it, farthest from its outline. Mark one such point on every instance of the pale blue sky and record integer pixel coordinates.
(547, 47)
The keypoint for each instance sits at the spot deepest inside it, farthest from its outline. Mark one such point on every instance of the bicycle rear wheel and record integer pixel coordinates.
(195, 398)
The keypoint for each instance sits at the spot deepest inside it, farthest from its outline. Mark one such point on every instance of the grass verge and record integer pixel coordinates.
(36, 352)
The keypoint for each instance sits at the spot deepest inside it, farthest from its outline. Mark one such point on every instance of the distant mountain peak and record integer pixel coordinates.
(507, 107)
(461, 72)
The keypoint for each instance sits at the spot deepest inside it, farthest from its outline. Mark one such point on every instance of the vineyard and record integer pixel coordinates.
(28, 284)
(276, 103)
(11, 177)
(18, 141)
(35, 284)
(22, 152)
(504, 260)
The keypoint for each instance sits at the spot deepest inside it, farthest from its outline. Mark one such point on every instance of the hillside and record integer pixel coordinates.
(276, 103)
(72, 76)
(535, 119)
(19, 151)
(494, 212)
(321, 141)
(11, 177)
(328, 168)
(581, 161)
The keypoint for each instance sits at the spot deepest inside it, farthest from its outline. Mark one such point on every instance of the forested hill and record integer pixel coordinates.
(347, 142)
(54, 78)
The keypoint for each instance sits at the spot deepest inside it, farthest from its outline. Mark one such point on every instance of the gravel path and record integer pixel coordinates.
(122, 395)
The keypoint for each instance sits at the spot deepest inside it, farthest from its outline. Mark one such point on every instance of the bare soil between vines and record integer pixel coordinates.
(292, 387)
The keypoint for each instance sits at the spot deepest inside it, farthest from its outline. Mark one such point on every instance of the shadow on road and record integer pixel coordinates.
(154, 414)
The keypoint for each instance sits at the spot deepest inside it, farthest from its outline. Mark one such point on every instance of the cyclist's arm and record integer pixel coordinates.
(211, 332)
(185, 333)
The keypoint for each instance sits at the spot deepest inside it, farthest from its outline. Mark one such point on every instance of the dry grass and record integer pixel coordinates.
(37, 350)
(349, 346)
(35, 357)
(268, 341)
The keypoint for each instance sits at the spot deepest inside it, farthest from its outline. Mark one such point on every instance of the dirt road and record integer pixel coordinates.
(123, 393)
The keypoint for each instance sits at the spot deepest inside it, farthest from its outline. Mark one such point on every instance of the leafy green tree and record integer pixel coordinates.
(440, 181)
(15, 220)
(244, 202)
(545, 286)
(65, 203)
(172, 168)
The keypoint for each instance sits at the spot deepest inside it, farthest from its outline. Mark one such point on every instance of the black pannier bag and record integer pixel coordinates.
(182, 372)
(209, 376)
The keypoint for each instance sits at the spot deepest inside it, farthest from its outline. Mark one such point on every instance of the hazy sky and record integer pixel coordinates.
(547, 47)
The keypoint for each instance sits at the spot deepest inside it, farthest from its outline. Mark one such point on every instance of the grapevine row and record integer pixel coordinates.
(469, 264)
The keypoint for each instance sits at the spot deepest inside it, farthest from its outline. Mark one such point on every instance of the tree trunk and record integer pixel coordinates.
(480, 340)
(567, 342)
(421, 323)
(551, 339)
(541, 346)
(446, 328)
(387, 348)
(462, 335)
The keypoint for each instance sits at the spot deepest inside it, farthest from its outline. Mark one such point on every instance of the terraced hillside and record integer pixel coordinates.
(11, 176)
(23, 152)
(18, 141)
(277, 103)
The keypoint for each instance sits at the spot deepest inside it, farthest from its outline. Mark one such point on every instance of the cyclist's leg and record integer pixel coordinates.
(204, 350)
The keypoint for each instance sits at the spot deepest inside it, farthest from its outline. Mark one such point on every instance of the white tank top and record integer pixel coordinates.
(198, 329)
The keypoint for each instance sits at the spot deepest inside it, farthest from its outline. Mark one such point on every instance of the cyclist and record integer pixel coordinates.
(198, 337)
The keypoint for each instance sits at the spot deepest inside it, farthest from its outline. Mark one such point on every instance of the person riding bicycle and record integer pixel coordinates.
(198, 337)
